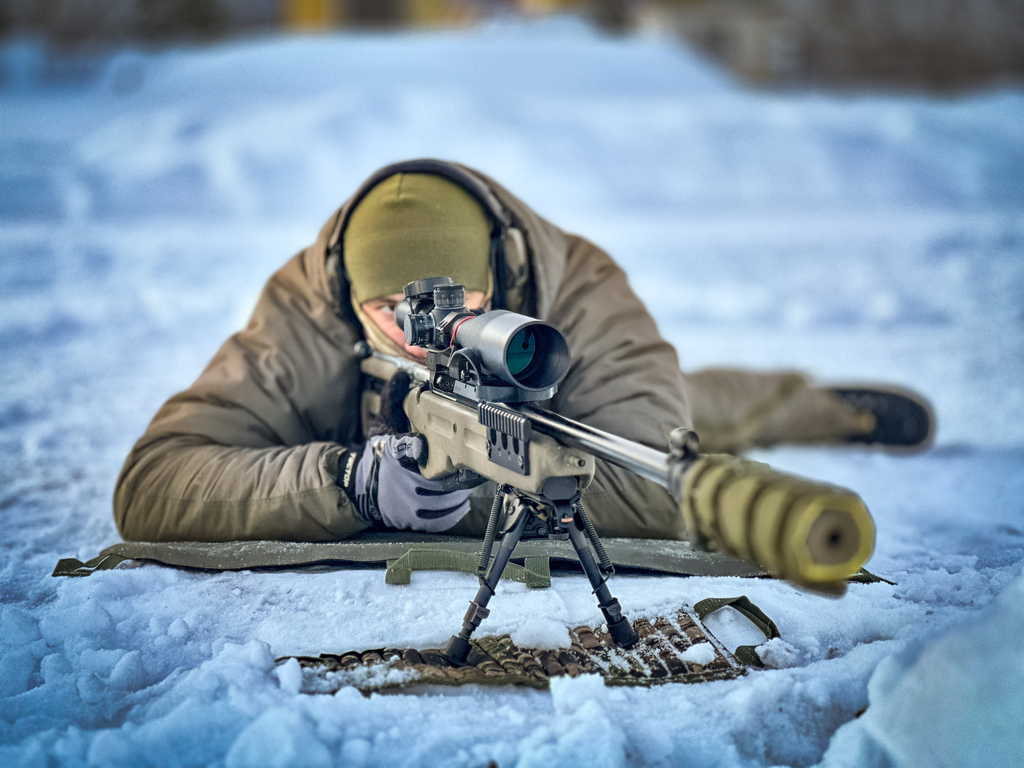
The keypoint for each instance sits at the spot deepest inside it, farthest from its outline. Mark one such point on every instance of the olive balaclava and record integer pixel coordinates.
(408, 227)
(416, 225)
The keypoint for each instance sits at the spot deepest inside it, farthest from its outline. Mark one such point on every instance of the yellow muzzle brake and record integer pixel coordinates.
(812, 534)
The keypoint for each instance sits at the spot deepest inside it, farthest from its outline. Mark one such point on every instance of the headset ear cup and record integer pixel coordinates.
(338, 283)
(516, 262)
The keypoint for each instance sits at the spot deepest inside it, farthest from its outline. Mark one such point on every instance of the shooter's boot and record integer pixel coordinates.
(904, 420)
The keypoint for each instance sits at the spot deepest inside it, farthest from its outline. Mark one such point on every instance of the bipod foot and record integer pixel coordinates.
(457, 651)
(621, 631)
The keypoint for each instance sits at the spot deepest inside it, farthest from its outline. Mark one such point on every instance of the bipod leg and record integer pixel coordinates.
(619, 628)
(457, 650)
(492, 528)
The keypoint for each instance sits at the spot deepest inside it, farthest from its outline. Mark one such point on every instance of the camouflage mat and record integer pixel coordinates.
(671, 650)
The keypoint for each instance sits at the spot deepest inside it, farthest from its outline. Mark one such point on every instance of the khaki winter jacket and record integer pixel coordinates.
(251, 449)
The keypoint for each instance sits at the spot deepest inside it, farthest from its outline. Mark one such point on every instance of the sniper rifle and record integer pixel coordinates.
(474, 402)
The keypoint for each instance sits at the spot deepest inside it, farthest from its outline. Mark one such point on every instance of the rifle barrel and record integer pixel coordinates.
(418, 371)
(644, 461)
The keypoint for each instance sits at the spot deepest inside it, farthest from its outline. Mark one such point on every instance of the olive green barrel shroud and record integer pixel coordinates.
(810, 533)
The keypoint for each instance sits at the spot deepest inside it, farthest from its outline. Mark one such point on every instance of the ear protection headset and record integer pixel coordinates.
(508, 246)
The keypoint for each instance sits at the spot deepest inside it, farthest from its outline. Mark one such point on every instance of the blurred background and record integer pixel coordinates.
(933, 44)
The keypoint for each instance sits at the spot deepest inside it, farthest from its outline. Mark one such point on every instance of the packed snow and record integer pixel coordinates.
(145, 197)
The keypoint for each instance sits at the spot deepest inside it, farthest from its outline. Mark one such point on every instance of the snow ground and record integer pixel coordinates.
(145, 197)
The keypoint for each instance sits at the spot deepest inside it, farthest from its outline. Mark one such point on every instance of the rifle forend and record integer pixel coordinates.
(495, 442)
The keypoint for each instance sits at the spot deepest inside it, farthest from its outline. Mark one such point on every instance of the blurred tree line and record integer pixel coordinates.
(939, 44)
(83, 24)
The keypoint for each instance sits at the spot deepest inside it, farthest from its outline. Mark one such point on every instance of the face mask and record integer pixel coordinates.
(375, 337)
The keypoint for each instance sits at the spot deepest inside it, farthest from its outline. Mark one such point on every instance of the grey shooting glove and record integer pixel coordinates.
(385, 484)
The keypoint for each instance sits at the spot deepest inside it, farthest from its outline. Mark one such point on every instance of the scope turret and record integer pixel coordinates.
(496, 356)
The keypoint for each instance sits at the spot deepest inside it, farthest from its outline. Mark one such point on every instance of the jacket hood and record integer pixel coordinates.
(545, 244)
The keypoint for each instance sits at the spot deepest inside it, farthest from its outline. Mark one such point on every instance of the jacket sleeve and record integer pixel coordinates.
(251, 449)
(624, 379)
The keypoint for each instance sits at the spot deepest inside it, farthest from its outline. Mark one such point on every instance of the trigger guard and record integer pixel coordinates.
(461, 480)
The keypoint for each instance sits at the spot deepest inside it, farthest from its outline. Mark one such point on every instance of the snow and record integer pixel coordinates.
(955, 701)
(146, 196)
(703, 654)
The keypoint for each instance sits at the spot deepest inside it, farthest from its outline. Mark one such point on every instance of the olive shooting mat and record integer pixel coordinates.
(402, 552)
(672, 649)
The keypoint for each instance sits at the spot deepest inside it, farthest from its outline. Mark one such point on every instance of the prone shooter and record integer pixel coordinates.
(271, 441)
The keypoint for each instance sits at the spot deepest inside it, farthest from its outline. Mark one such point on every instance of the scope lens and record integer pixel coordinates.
(516, 349)
(521, 351)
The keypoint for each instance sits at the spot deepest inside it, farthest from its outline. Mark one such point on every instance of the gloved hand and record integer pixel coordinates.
(385, 484)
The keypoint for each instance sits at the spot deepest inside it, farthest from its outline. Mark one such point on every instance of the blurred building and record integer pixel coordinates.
(72, 24)
(87, 24)
(326, 14)
(757, 40)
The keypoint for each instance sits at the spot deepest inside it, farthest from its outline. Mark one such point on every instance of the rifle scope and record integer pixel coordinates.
(497, 355)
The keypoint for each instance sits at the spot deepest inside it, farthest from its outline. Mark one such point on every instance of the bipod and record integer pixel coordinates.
(556, 514)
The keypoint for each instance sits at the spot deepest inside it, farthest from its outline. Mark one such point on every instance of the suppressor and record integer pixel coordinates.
(813, 534)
